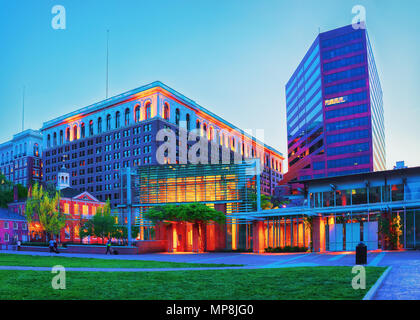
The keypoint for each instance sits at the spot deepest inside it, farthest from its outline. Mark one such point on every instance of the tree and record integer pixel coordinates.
(196, 213)
(102, 224)
(391, 229)
(45, 209)
(6, 191)
(266, 202)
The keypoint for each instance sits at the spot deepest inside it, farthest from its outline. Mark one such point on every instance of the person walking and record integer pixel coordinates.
(56, 246)
(18, 245)
(108, 247)
(51, 245)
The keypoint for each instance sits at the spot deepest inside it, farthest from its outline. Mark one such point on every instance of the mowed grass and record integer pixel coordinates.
(329, 283)
(67, 262)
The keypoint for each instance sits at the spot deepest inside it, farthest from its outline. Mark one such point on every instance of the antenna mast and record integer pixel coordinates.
(107, 54)
(23, 108)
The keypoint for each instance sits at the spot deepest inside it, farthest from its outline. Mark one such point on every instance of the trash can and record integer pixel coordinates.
(361, 253)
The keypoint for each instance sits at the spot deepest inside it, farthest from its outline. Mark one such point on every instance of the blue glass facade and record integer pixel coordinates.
(335, 109)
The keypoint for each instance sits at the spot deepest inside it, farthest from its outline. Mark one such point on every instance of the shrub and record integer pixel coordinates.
(286, 249)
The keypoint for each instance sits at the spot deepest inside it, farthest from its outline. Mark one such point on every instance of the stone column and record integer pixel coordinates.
(318, 239)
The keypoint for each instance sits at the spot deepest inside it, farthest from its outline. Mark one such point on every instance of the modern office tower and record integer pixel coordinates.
(97, 141)
(335, 117)
(20, 159)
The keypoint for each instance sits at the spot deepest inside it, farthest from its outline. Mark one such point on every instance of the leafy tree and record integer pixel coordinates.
(45, 209)
(6, 191)
(196, 213)
(391, 228)
(102, 224)
(309, 225)
(266, 201)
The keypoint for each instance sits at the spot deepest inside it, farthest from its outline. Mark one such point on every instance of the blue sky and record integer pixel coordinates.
(233, 57)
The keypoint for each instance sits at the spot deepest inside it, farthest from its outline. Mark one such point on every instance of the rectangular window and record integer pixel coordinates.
(352, 135)
(351, 123)
(347, 162)
(66, 208)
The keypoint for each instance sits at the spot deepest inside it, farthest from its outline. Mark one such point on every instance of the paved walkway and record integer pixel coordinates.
(246, 259)
(403, 282)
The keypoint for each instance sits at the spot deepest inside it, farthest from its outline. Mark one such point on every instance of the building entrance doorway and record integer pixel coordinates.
(346, 236)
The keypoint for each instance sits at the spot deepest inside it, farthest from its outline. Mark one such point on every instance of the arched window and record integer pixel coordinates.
(137, 113)
(61, 137)
(211, 134)
(148, 112)
(36, 150)
(90, 128)
(75, 133)
(204, 133)
(48, 141)
(55, 139)
(166, 111)
(187, 119)
(198, 125)
(99, 125)
(82, 130)
(117, 119)
(68, 134)
(108, 122)
(177, 116)
(127, 117)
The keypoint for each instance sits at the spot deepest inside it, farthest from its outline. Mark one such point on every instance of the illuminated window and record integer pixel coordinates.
(166, 111)
(75, 135)
(76, 209)
(137, 113)
(90, 128)
(66, 208)
(82, 130)
(85, 210)
(148, 112)
(36, 150)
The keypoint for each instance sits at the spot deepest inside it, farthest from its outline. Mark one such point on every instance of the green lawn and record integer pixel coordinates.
(258, 284)
(50, 261)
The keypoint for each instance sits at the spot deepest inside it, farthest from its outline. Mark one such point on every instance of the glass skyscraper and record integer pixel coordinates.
(335, 117)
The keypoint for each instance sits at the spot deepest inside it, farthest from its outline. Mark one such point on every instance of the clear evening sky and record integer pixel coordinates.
(233, 57)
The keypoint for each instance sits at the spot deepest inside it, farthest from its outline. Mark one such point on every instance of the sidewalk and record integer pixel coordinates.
(402, 283)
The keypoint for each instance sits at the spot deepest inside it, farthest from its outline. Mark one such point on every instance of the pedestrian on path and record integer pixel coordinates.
(51, 245)
(108, 247)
